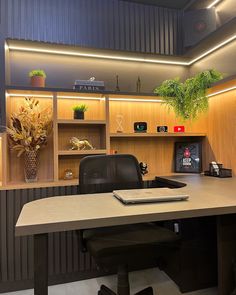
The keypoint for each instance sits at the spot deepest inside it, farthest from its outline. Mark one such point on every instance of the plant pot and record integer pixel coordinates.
(37, 81)
(31, 166)
(78, 115)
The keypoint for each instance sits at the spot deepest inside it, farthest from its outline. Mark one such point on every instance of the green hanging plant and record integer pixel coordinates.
(188, 99)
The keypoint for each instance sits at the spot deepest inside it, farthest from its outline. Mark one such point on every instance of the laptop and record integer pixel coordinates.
(150, 195)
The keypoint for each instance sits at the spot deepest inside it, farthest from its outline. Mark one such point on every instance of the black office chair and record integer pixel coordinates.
(119, 245)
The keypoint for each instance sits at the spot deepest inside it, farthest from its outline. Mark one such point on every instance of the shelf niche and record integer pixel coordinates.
(95, 134)
(14, 164)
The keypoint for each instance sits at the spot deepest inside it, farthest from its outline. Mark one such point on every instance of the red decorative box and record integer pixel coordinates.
(179, 129)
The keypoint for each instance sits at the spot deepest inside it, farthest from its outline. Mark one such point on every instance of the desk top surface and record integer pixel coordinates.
(208, 196)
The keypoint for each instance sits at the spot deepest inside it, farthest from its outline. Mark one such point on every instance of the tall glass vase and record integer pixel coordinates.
(31, 166)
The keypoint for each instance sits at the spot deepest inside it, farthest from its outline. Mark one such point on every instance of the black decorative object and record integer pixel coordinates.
(117, 83)
(140, 127)
(162, 128)
(188, 157)
(143, 167)
(138, 85)
(78, 115)
(217, 170)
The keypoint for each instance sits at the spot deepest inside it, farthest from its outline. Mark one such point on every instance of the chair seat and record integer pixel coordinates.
(128, 239)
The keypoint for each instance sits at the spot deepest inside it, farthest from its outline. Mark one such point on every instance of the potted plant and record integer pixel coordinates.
(28, 133)
(79, 111)
(188, 99)
(37, 78)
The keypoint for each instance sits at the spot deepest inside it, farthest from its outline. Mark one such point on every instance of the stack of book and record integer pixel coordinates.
(88, 85)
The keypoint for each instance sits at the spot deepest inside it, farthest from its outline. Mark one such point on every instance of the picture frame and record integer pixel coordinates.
(188, 157)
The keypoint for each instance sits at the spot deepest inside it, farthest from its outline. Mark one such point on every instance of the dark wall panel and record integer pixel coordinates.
(109, 24)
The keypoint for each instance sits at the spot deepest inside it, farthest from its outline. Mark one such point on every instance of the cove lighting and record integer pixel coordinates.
(212, 49)
(222, 91)
(51, 96)
(136, 99)
(28, 95)
(213, 3)
(111, 56)
(125, 58)
(81, 97)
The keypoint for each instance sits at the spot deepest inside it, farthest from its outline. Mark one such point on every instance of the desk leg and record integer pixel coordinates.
(226, 240)
(41, 264)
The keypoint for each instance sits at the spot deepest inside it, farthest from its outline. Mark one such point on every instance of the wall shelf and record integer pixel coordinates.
(81, 152)
(14, 88)
(166, 134)
(82, 122)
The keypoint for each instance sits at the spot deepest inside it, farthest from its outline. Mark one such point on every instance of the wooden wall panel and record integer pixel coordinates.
(221, 139)
(153, 113)
(158, 153)
(1, 159)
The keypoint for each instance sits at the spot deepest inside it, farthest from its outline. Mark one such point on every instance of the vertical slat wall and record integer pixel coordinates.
(111, 24)
(16, 254)
(66, 262)
(2, 63)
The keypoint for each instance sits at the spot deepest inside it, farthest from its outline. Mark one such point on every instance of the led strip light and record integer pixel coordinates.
(117, 57)
(85, 97)
(212, 49)
(51, 96)
(214, 3)
(222, 91)
(103, 56)
(135, 99)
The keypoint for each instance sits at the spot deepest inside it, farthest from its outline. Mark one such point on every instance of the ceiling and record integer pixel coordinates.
(177, 4)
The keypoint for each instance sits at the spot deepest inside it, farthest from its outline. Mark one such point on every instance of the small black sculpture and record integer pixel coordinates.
(117, 83)
(138, 85)
(143, 167)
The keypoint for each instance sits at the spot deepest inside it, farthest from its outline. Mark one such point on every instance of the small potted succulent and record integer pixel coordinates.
(79, 111)
(37, 78)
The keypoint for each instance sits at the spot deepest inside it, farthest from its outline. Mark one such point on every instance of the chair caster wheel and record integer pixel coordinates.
(105, 291)
(147, 291)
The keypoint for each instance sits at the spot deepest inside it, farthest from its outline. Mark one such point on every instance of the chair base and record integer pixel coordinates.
(106, 291)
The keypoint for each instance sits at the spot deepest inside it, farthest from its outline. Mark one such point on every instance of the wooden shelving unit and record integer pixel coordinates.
(99, 128)
(58, 156)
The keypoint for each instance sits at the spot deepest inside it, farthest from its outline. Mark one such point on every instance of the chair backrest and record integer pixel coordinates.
(105, 173)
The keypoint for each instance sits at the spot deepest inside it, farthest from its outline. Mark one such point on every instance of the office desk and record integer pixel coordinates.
(208, 196)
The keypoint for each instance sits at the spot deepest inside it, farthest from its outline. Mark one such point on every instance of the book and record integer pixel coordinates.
(88, 88)
(89, 83)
